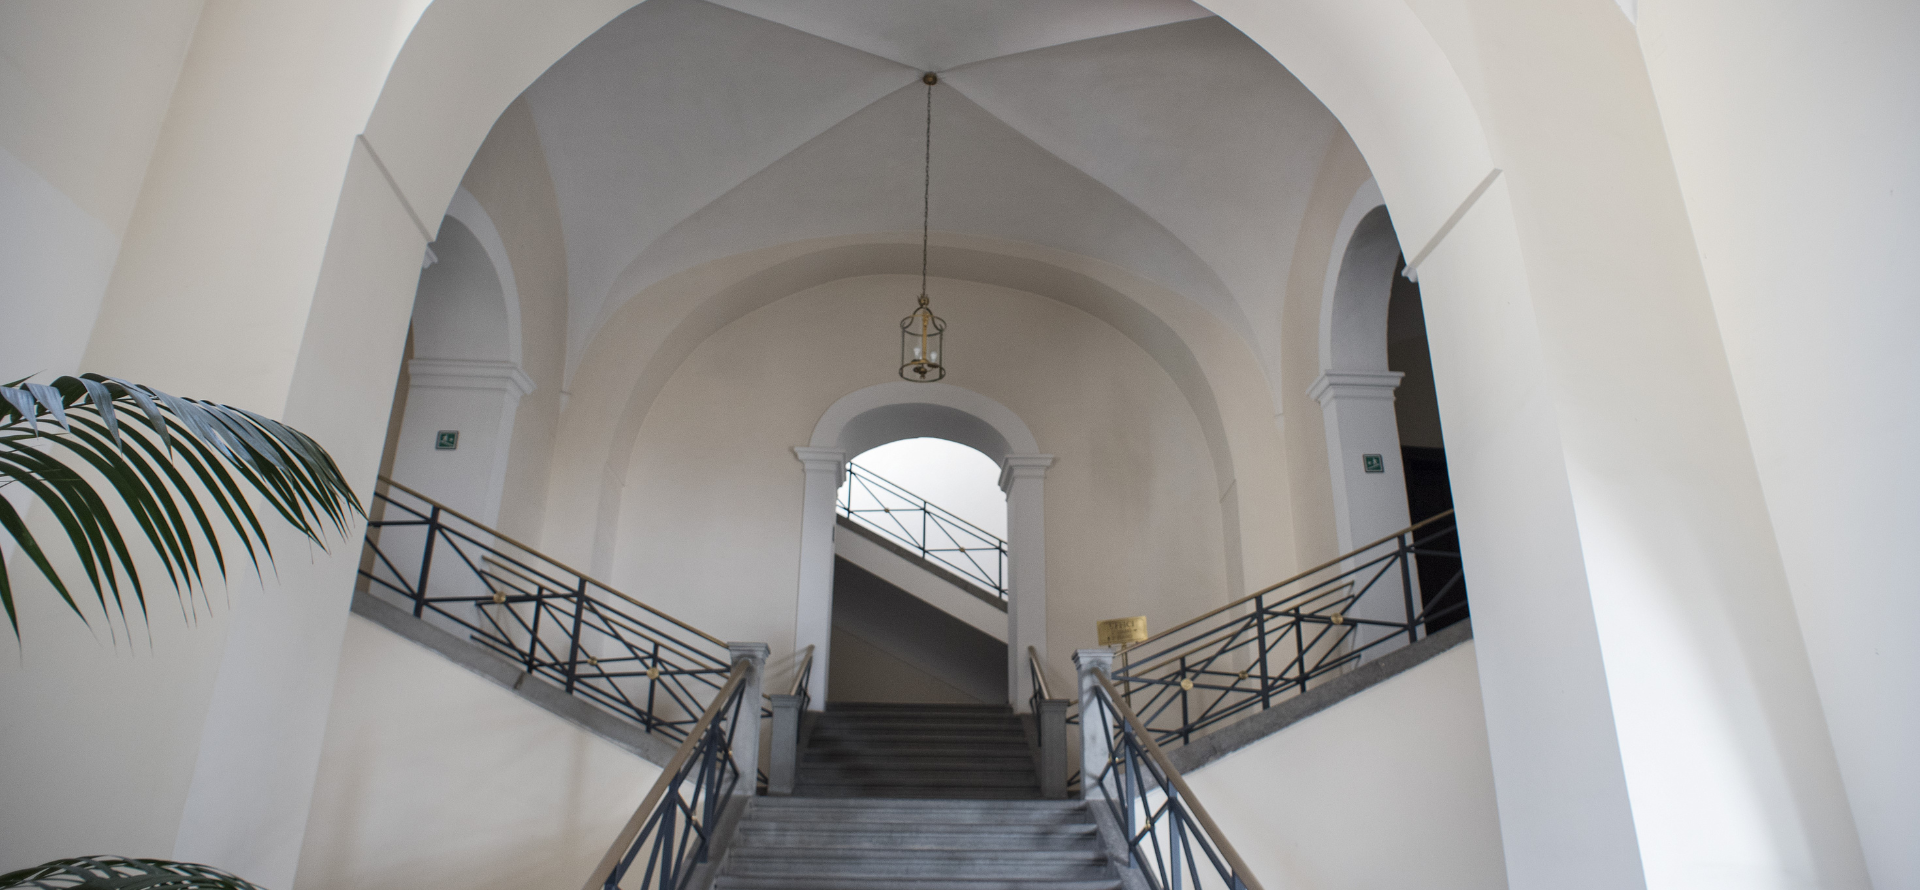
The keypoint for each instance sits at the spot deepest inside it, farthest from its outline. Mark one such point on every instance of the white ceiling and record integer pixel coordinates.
(1145, 133)
(938, 35)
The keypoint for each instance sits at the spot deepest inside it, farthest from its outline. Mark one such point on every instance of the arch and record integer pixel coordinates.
(467, 210)
(887, 412)
(1355, 390)
(1355, 387)
(1366, 200)
(465, 375)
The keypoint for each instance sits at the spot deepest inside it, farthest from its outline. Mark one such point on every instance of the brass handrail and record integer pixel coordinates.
(598, 880)
(563, 566)
(800, 673)
(1039, 672)
(1276, 586)
(1187, 796)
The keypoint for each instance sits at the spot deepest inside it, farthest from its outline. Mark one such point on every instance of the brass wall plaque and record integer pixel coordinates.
(1122, 631)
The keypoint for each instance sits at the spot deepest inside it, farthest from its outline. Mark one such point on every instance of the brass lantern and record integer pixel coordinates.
(920, 356)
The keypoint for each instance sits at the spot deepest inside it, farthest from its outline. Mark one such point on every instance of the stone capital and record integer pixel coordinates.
(1023, 466)
(454, 373)
(1335, 386)
(823, 460)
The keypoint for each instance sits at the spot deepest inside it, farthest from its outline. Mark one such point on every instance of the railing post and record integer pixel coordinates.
(746, 734)
(426, 563)
(783, 755)
(1406, 583)
(1260, 620)
(1096, 734)
(573, 636)
(1051, 721)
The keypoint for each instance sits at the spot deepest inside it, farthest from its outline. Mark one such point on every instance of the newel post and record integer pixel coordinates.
(1096, 733)
(1051, 721)
(783, 754)
(746, 729)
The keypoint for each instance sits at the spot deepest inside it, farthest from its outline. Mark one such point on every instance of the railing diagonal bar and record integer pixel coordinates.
(551, 621)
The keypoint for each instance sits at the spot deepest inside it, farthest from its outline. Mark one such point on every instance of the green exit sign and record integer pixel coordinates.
(1373, 463)
(448, 440)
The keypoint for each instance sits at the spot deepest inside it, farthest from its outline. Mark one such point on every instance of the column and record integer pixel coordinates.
(813, 611)
(1369, 481)
(1023, 477)
(476, 399)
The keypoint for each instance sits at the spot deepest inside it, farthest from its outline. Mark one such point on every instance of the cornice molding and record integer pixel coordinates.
(1358, 385)
(482, 374)
(823, 460)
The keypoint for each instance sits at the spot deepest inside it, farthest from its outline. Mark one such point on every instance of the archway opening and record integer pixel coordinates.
(920, 577)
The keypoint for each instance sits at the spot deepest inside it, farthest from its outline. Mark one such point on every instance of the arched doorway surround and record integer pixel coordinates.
(465, 375)
(1355, 390)
(1613, 508)
(888, 412)
(1355, 387)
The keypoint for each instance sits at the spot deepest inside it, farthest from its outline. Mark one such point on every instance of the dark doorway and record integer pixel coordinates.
(1423, 451)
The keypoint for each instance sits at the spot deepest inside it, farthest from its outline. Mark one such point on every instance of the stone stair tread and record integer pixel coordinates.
(963, 855)
(917, 756)
(731, 882)
(921, 797)
(916, 733)
(849, 707)
(901, 810)
(813, 778)
(971, 836)
(921, 867)
(922, 792)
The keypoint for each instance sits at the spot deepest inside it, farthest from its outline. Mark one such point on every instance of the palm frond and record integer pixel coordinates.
(50, 434)
(91, 872)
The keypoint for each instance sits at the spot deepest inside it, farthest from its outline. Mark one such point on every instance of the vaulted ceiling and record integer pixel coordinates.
(1144, 133)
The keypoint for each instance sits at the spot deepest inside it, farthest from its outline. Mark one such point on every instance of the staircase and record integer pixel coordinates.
(800, 843)
(918, 751)
(933, 797)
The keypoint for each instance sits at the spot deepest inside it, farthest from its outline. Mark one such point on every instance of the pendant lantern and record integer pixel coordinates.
(922, 358)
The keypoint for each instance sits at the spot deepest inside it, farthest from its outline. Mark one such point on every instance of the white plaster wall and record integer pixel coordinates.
(1794, 130)
(710, 522)
(1392, 788)
(434, 777)
(83, 91)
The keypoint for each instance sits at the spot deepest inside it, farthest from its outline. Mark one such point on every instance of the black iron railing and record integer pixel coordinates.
(1171, 840)
(675, 823)
(1264, 648)
(937, 535)
(803, 679)
(1042, 690)
(555, 623)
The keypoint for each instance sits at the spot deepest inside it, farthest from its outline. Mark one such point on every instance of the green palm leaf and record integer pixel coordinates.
(117, 873)
(58, 442)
